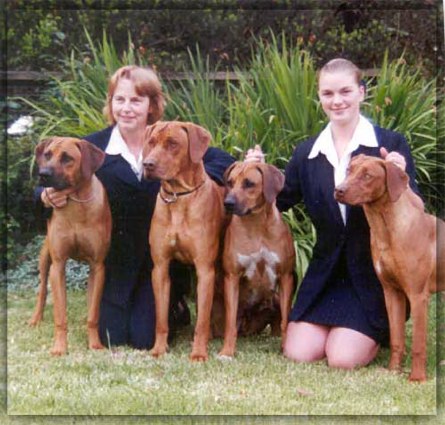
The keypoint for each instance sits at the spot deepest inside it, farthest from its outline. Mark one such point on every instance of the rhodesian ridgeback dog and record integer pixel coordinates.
(403, 246)
(187, 222)
(81, 230)
(259, 253)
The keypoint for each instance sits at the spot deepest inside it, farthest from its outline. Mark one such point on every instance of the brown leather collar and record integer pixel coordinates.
(175, 195)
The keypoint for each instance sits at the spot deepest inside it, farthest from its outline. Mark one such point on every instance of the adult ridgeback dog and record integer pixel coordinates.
(81, 230)
(403, 245)
(259, 253)
(187, 222)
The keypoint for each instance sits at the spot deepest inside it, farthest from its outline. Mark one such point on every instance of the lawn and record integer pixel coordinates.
(259, 381)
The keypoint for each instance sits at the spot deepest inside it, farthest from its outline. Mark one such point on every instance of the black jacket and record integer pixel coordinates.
(312, 181)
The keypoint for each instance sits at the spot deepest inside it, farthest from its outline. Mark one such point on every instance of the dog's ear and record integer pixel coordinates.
(199, 140)
(92, 158)
(228, 171)
(273, 182)
(41, 147)
(357, 159)
(148, 130)
(396, 180)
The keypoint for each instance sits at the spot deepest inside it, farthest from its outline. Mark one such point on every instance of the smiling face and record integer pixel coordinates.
(340, 95)
(130, 110)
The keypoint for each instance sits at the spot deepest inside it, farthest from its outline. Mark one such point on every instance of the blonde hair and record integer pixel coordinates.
(340, 64)
(146, 83)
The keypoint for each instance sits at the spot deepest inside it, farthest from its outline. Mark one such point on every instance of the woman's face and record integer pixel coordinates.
(340, 96)
(129, 109)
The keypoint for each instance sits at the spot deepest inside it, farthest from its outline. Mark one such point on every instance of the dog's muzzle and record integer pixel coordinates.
(232, 206)
(46, 177)
(149, 165)
(150, 169)
(339, 193)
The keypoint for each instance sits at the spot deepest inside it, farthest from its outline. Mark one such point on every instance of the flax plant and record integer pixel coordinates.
(274, 104)
(400, 99)
(73, 104)
(197, 98)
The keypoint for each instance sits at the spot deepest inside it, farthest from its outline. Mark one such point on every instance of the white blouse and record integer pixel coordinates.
(117, 146)
(364, 135)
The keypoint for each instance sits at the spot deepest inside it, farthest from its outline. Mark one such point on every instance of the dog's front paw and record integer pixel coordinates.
(58, 350)
(96, 345)
(199, 356)
(226, 354)
(157, 351)
(224, 357)
(416, 376)
(35, 320)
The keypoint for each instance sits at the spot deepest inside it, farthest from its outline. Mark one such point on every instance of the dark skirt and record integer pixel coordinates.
(339, 305)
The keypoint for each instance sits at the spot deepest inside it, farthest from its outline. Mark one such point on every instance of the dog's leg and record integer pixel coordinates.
(57, 279)
(231, 299)
(419, 312)
(95, 288)
(161, 290)
(286, 291)
(206, 285)
(396, 308)
(44, 265)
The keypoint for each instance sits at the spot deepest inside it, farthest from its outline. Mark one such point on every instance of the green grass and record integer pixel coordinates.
(259, 381)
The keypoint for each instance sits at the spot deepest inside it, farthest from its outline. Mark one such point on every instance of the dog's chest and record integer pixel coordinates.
(260, 266)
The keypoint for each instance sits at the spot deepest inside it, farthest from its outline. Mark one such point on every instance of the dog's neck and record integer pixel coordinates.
(387, 219)
(260, 217)
(85, 192)
(186, 180)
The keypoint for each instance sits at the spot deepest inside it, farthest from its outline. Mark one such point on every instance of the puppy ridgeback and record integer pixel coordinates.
(403, 245)
(187, 222)
(81, 230)
(259, 253)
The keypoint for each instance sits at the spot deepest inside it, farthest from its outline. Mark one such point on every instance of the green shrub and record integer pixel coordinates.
(402, 100)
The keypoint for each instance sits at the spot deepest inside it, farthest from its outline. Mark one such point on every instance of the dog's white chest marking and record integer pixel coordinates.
(250, 264)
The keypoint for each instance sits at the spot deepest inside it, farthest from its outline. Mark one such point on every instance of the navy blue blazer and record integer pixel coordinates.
(132, 204)
(312, 181)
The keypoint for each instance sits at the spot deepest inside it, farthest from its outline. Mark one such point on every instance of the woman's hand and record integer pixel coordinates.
(255, 155)
(393, 157)
(54, 198)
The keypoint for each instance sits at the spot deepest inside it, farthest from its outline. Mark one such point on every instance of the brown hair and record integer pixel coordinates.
(340, 64)
(146, 83)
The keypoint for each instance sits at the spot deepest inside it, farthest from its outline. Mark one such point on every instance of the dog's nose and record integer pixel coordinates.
(45, 174)
(229, 203)
(149, 164)
(339, 192)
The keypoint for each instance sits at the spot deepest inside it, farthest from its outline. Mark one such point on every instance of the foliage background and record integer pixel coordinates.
(228, 35)
(40, 32)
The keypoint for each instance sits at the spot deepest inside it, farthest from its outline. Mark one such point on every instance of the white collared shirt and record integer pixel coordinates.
(117, 146)
(364, 135)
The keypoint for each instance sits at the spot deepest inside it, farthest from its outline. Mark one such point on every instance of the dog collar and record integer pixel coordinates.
(175, 195)
(81, 201)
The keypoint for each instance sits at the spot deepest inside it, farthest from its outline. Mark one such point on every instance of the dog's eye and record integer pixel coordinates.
(171, 143)
(47, 155)
(367, 176)
(248, 184)
(65, 159)
(229, 184)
